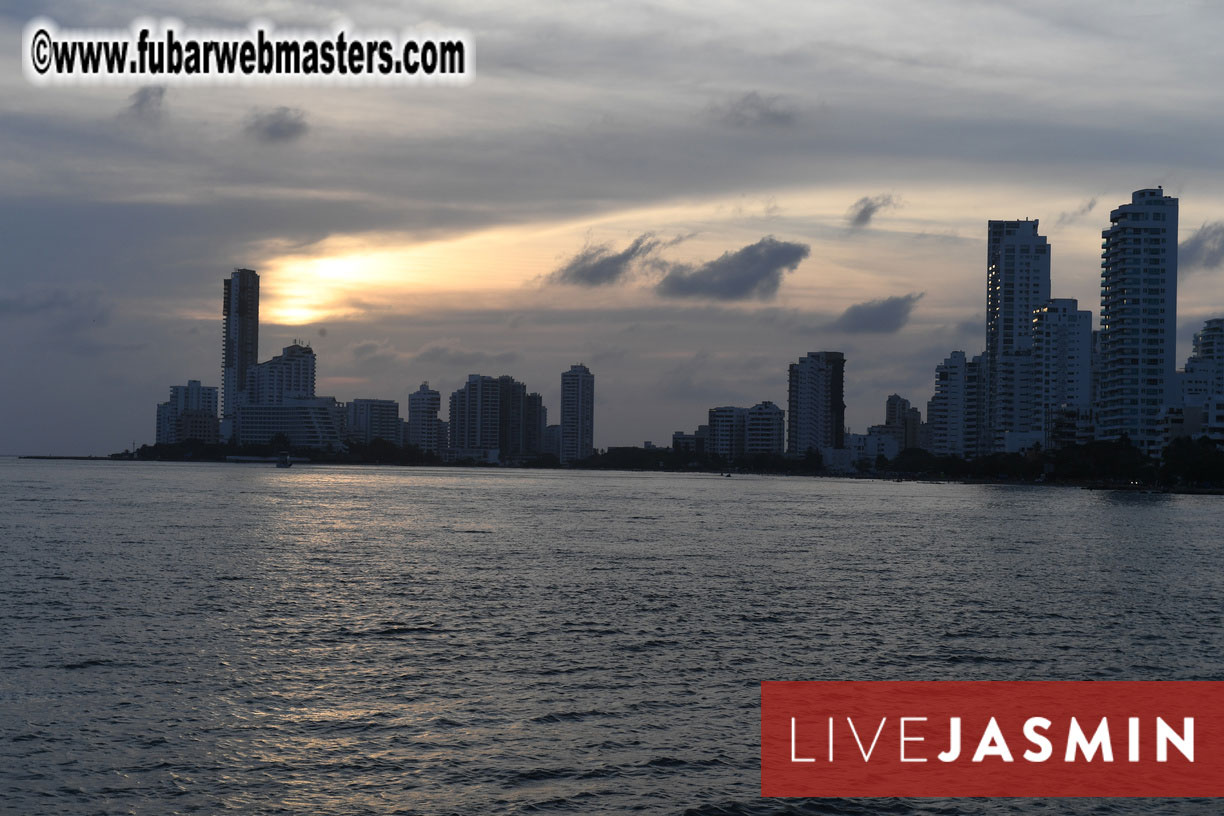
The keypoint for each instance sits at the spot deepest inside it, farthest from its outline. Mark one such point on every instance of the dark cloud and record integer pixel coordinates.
(441, 353)
(147, 105)
(1204, 249)
(598, 265)
(883, 316)
(377, 352)
(281, 124)
(755, 110)
(862, 211)
(1077, 213)
(68, 310)
(754, 272)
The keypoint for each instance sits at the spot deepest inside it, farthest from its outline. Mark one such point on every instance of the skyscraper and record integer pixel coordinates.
(1204, 375)
(816, 409)
(535, 420)
(577, 414)
(370, 419)
(239, 341)
(1062, 355)
(423, 423)
(475, 418)
(1138, 319)
(765, 431)
(728, 431)
(902, 421)
(512, 414)
(191, 413)
(1017, 284)
(957, 412)
(288, 375)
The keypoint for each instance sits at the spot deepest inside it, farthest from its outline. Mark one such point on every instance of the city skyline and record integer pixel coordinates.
(759, 184)
(1020, 310)
(1045, 380)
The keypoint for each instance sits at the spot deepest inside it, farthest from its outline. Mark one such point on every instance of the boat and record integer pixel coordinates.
(283, 460)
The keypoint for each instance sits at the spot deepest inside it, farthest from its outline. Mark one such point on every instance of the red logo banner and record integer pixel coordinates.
(1038, 738)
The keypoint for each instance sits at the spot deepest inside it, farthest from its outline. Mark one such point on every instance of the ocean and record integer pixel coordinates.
(210, 638)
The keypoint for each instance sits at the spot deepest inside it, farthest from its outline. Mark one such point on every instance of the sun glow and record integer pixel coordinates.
(344, 279)
(355, 277)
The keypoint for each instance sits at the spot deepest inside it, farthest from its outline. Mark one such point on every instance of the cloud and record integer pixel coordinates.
(72, 311)
(379, 352)
(598, 265)
(754, 110)
(147, 105)
(862, 211)
(883, 316)
(281, 124)
(1080, 211)
(439, 352)
(1204, 249)
(754, 272)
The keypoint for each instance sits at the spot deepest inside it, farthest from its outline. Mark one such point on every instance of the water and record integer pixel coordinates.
(201, 638)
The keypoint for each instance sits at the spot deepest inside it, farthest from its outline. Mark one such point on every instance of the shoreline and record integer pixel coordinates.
(894, 477)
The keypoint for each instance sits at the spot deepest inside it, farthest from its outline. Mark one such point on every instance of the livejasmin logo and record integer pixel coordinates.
(993, 744)
(1040, 738)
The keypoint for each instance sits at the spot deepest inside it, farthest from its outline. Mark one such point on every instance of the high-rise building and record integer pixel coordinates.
(239, 340)
(902, 422)
(1062, 355)
(1017, 284)
(577, 414)
(816, 408)
(535, 420)
(423, 430)
(190, 413)
(552, 441)
(370, 419)
(475, 419)
(512, 415)
(306, 422)
(290, 374)
(765, 430)
(1204, 375)
(1138, 320)
(279, 399)
(956, 413)
(727, 430)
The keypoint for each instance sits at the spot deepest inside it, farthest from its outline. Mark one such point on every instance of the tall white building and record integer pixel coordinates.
(956, 414)
(816, 408)
(1017, 284)
(475, 419)
(727, 432)
(765, 430)
(370, 419)
(1138, 320)
(423, 422)
(577, 414)
(1204, 375)
(307, 422)
(289, 374)
(190, 413)
(239, 341)
(1062, 355)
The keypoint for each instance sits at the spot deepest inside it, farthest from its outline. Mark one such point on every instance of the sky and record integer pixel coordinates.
(684, 196)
